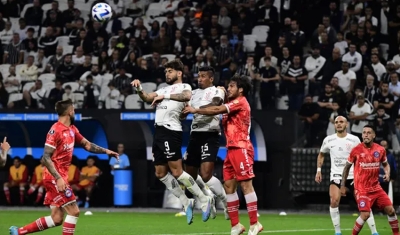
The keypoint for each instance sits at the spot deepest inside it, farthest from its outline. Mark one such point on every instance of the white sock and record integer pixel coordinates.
(173, 186)
(191, 185)
(371, 223)
(335, 216)
(204, 188)
(49, 222)
(218, 189)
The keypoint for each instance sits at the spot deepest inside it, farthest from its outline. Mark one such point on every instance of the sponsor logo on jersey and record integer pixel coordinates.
(370, 165)
(68, 146)
(376, 154)
(362, 204)
(68, 192)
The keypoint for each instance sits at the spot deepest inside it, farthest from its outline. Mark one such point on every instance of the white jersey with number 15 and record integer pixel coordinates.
(201, 97)
(339, 150)
(168, 111)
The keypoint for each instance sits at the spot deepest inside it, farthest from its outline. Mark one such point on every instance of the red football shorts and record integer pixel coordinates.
(54, 197)
(366, 200)
(238, 164)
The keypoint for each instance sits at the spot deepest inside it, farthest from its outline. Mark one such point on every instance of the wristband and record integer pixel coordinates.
(319, 169)
(139, 88)
(167, 96)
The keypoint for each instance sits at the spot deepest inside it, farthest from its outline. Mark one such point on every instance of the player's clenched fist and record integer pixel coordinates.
(189, 109)
(318, 177)
(135, 83)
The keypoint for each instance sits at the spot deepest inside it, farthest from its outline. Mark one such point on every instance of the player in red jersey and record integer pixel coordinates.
(57, 158)
(238, 164)
(367, 158)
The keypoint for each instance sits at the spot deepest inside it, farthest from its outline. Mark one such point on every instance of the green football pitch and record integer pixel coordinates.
(122, 223)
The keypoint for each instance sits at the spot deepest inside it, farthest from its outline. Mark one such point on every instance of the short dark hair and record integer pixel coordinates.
(370, 126)
(62, 106)
(381, 107)
(17, 158)
(175, 65)
(209, 69)
(242, 82)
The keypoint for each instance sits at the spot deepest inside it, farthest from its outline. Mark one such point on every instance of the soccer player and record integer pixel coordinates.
(203, 147)
(37, 183)
(238, 164)
(18, 177)
(5, 146)
(87, 180)
(167, 142)
(339, 146)
(57, 157)
(367, 158)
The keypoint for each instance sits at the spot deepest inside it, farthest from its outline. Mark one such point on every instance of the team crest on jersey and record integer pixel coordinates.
(348, 146)
(376, 154)
(362, 204)
(52, 131)
(68, 192)
(71, 132)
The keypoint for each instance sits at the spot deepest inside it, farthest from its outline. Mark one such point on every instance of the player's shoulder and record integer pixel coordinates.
(56, 127)
(330, 138)
(378, 147)
(352, 138)
(185, 86)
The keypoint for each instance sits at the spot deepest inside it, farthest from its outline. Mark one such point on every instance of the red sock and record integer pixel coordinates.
(39, 225)
(7, 193)
(358, 226)
(251, 201)
(31, 190)
(394, 224)
(21, 195)
(69, 225)
(233, 208)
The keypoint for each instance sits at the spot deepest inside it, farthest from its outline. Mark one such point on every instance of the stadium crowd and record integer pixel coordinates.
(345, 62)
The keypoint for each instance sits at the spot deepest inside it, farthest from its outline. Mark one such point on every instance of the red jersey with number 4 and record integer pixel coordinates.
(237, 124)
(62, 139)
(367, 162)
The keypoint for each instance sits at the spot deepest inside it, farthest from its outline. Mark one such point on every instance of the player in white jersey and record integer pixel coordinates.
(339, 146)
(202, 150)
(167, 141)
(5, 146)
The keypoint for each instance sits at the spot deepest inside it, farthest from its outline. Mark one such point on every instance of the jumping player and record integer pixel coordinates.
(5, 146)
(339, 146)
(367, 158)
(203, 147)
(167, 143)
(57, 157)
(238, 164)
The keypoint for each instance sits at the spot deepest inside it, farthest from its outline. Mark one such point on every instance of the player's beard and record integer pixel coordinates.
(172, 80)
(72, 119)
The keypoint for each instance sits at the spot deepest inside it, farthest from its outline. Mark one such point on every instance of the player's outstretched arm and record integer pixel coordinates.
(46, 160)
(5, 146)
(209, 111)
(216, 101)
(146, 97)
(94, 148)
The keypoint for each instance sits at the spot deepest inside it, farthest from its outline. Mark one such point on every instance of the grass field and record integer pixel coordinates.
(122, 223)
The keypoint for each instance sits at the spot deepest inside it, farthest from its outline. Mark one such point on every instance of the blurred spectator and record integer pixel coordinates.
(113, 97)
(56, 94)
(34, 14)
(68, 94)
(346, 77)
(55, 61)
(29, 71)
(309, 114)
(78, 58)
(12, 82)
(358, 114)
(394, 86)
(73, 174)
(384, 98)
(37, 183)
(380, 120)
(49, 42)
(33, 98)
(122, 82)
(65, 70)
(336, 111)
(268, 77)
(18, 177)
(91, 93)
(14, 52)
(6, 34)
(3, 96)
(295, 81)
(87, 180)
(123, 162)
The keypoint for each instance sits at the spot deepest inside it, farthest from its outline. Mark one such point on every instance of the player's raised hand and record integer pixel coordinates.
(61, 185)
(5, 146)
(112, 154)
(318, 177)
(343, 191)
(135, 83)
(157, 100)
(189, 109)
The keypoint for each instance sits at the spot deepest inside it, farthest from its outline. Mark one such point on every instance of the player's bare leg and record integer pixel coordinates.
(206, 173)
(392, 218)
(162, 173)
(55, 219)
(88, 191)
(190, 184)
(335, 195)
